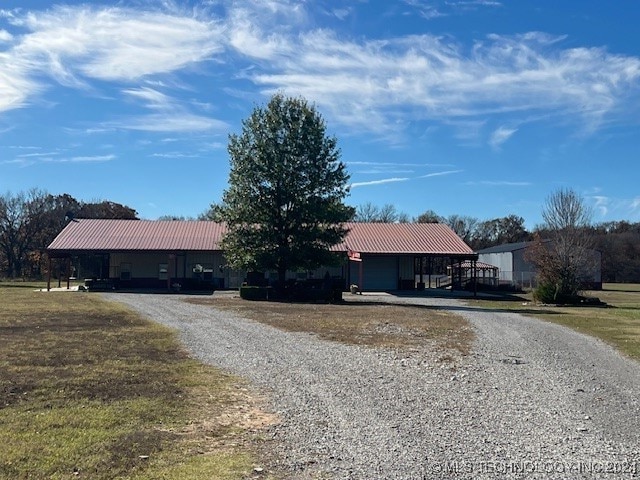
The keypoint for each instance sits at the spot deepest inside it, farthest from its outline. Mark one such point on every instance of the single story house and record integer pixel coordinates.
(158, 254)
(515, 269)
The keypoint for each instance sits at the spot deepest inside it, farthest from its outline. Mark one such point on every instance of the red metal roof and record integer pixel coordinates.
(138, 235)
(130, 235)
(404, 238)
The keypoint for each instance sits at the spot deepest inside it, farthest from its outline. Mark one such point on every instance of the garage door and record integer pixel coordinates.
(380, 273)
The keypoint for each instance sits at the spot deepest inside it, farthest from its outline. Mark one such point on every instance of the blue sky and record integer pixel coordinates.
(468, 107)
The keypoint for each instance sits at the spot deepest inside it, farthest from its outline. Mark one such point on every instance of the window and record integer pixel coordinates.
(163, 271)
(203, 271)
(125, 271)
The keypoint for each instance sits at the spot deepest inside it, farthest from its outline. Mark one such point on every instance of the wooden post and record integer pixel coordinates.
(49, 275)
(68, 273)
(475, 278)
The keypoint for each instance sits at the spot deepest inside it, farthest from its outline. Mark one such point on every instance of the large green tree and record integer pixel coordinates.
(284, 205)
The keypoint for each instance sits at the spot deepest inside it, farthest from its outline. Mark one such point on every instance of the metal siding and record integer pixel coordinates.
(406, 268)
(501, 260)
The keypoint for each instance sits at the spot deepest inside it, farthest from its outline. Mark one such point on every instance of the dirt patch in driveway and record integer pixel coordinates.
(369, 323)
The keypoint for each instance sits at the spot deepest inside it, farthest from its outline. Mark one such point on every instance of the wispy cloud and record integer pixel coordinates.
(174, 155)
(500, 183)
(501, 135)
(601, 204)
(38, 154)
(440, 174)
(73, 44)
(170, 122)
(376, 85)
(372, 84)
(402, 179)
(170, 116)
(379, 182)
(83, 159)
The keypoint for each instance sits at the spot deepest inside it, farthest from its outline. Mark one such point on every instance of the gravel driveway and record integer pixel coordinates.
(533, 400)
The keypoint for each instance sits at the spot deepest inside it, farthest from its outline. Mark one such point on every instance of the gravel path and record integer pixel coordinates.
(533, 400)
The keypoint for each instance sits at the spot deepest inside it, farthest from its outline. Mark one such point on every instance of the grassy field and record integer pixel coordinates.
(617, 324)
(89, 390)
(360, 323)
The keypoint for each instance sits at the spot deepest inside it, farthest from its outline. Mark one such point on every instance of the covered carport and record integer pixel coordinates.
(403, 256)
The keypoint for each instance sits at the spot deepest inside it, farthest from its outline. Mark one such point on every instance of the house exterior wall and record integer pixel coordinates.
(152, 269)
(380, 272)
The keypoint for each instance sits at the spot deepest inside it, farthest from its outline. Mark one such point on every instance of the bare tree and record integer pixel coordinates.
(18, 230)
(429, 217)
(564, 256)
(465, 227)
(370, 213)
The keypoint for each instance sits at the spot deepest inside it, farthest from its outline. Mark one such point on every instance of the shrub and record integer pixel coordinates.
(549, 292)
(255, 293)
(546, 292)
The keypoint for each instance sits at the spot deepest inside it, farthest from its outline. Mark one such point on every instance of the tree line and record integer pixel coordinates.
(29, 221)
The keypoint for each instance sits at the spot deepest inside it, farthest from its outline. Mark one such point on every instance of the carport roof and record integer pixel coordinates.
(106, 235)
(405, 238)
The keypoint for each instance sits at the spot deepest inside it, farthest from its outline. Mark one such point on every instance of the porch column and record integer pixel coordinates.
(49, 274)
(475, 277)
(68, 273)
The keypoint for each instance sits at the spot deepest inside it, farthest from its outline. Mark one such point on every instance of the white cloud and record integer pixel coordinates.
(174, 155)
(501, 135)
(5, 36)
(341, 13)
(153, 98)
(170, 115)
(372, 84)
(500, 183)
(75, 44)
(39, 154)
(440, 174)
(601, 204)
(379, 182)
(170, 122)
(117, 43)
(402, 179)
(82, 159)
(377, 85)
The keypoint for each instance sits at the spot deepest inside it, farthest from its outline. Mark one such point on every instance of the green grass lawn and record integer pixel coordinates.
(90, 390)
(617, 324)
